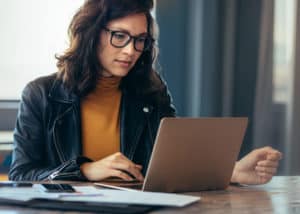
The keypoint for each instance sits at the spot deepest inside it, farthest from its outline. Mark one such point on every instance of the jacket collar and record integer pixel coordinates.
(60, 93)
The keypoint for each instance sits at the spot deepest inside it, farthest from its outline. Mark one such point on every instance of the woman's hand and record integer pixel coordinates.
(257, 167)
(115, 165)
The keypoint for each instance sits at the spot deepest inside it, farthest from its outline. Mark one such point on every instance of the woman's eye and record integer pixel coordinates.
(141, 39)
(120, 36)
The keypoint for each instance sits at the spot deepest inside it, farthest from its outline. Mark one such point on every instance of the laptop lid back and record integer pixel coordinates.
(193, 154)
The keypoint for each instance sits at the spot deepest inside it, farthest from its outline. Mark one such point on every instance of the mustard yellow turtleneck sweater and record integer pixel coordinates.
(100, 125)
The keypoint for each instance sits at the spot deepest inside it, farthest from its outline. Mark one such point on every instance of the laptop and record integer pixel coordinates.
(191, 154)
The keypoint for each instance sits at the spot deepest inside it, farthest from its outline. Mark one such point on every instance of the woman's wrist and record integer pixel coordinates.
(234, 177)
(85, 169)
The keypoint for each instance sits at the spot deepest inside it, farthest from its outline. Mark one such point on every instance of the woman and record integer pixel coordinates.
(97, 117)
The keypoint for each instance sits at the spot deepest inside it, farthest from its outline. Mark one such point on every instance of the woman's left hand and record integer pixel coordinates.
(257, 167)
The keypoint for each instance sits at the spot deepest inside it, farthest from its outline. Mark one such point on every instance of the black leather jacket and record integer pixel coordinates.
(47, 137)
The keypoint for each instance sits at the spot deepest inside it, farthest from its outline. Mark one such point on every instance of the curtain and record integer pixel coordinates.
(292, 155)
(276, 122)
(263, 103)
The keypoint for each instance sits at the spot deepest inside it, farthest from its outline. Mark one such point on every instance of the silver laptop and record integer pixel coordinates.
(192, 154)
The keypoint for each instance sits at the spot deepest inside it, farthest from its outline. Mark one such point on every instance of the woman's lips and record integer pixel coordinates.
(123, 63)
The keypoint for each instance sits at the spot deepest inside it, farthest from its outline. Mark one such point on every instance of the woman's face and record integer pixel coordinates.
(118, 61)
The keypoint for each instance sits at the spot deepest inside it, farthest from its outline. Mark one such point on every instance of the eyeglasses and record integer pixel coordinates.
(120, 39)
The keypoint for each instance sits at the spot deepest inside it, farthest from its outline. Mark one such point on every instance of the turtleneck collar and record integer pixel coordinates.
(108, 83)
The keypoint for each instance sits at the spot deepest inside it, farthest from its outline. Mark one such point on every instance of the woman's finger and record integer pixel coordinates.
(119, 174)
(120, 157)
(268, 163)
(274, 156)
(264, 175)
(267, 170)
(128, 168)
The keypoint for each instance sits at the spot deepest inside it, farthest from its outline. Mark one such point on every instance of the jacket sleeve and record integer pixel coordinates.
(28, 163)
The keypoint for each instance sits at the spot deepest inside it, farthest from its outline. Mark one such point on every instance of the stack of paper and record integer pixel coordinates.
(92, 194)
(132, 197)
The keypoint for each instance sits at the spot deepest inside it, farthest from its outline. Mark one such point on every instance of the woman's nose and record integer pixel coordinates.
(129, 48)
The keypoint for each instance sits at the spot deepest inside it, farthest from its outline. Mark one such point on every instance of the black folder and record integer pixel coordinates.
(99, 207)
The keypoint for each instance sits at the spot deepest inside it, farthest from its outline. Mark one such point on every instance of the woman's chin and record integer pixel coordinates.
(120, 73)
(115, 73)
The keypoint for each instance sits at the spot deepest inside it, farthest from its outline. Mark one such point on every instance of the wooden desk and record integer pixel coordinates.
(281, 195)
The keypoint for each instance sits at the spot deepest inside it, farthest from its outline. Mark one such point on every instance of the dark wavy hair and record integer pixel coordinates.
(79, 65)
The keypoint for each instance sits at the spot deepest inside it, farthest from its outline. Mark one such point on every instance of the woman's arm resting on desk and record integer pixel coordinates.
(257, 167)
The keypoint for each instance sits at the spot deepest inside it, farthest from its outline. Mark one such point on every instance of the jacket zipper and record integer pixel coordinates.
(53, 175)
(66, 174)
(62, 159)
(57, 172)
(57, 147)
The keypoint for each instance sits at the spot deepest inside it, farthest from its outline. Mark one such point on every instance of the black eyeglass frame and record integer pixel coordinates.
(135, 38)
